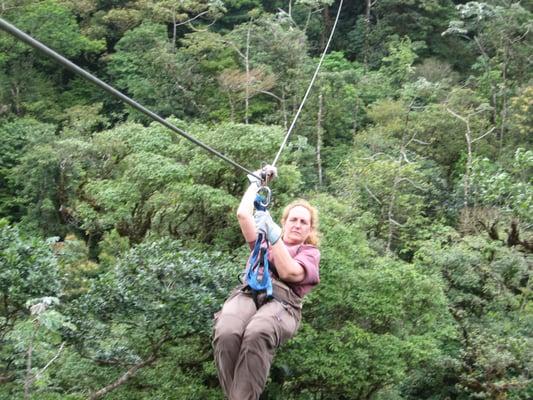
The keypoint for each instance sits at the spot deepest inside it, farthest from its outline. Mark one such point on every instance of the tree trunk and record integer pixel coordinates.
(504, 91)
(468, 169)
(356, 112)
(247, 65)
(174, 27)
(284, 109)
(390, 213)
(327, 27)
(319, 140)
(15, 93)
(366, 45)
(493, 88)
(29, 378)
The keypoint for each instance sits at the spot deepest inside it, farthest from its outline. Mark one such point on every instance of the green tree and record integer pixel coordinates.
(369, 324)
(18, 136)
(159, 298)
(135, 180)
(28, 271)
(50, 176)
(487, 287)
(421, 21)
(178, 12)
(504, 197)
(500, 36)
(29, 80)
(389, 179)
(146, 67)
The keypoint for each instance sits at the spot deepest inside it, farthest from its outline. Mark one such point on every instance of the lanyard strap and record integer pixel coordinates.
(259, 259)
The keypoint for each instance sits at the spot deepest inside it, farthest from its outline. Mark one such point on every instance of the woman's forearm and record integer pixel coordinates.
(245, 213)
(288, 269)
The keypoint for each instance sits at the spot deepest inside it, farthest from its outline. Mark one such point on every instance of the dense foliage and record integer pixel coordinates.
(118, 238)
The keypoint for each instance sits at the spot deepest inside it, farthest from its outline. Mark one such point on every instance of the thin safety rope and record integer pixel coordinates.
(309, 88)
(73, 67)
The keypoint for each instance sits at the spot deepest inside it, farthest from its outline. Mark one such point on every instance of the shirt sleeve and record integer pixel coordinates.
(309, 258)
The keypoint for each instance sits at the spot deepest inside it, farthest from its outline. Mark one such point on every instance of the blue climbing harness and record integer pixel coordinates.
(259, 260)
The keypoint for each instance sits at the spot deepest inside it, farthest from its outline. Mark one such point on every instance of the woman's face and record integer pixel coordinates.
(297, 227)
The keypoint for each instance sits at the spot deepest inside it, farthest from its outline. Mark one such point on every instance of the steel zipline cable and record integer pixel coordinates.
(308, 88)
(9, 28)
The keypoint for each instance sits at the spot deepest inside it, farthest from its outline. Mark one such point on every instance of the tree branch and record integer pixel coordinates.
(131, 372)
(38, 374)
(420, 142)
(404, 156)
(457, 115)
(412, 183)
(372, 195)
(485, 134)
(203, 30)
(373, 156)
(271, 94)
(395, 222)
(191, 19)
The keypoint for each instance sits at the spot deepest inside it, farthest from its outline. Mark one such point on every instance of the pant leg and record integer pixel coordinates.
(271, 326)
(228, 330)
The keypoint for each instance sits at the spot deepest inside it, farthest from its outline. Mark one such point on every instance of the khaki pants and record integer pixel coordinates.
(245, 339)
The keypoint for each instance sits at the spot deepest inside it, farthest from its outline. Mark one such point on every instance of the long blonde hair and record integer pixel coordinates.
(313, 237)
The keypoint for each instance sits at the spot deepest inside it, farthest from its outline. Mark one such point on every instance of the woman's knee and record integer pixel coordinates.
(227, 328)
(260, 332)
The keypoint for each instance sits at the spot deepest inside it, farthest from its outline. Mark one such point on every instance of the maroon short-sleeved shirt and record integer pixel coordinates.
(308, 256)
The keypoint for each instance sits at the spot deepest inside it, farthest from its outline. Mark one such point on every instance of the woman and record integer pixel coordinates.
(248, 331)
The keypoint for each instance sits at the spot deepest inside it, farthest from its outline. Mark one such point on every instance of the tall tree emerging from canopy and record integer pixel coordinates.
(146, 66)
(180, 12)
(501, 35)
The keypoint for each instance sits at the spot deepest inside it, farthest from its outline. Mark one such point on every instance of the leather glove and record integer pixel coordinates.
(265, 224)
(267, 173)
(260, 221)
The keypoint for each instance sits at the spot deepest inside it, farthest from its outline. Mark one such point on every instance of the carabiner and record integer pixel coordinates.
(266, 198)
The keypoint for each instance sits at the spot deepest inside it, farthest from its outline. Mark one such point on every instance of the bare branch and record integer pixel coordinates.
(38, 374)
(391, 220)
(457, 115)
(192, 19)
(420, 142)
(482, 110)
(404, 156)
(229, 42)
(130, 372)
(373, 156)
(287, 14)
(412, 183)
(372, 195)
(481, 48)
(519, 38)
(271, 94)
(485, 134)
(410, 140)
(203, 30)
